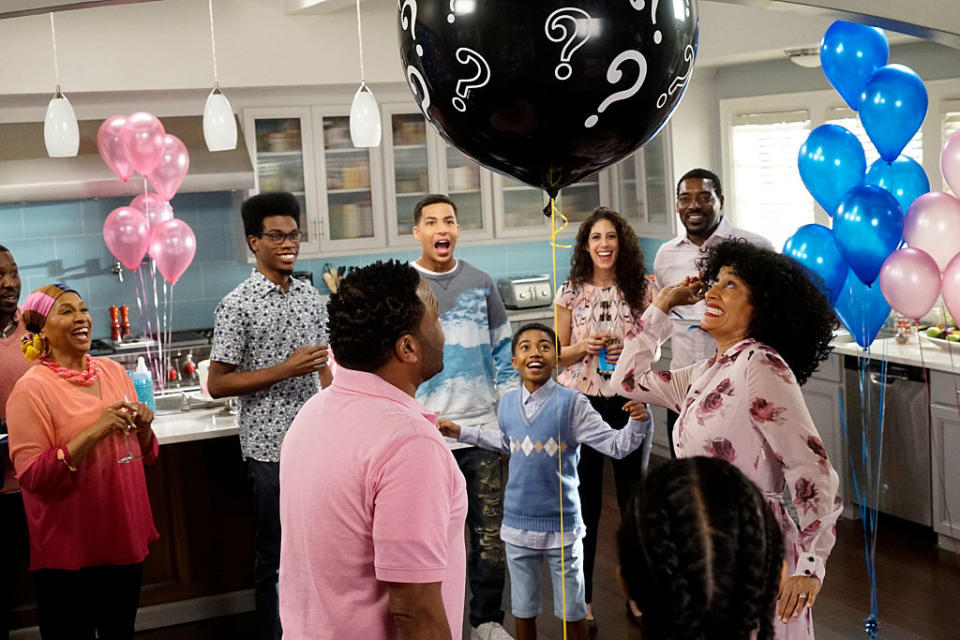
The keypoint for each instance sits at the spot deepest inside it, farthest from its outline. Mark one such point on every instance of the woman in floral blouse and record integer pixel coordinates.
(773, 327)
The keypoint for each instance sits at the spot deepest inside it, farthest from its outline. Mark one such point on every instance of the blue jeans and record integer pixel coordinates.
(486, 560)
(265, 482)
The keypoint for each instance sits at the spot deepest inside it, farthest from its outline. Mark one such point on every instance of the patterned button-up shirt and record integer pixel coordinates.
(258, 326)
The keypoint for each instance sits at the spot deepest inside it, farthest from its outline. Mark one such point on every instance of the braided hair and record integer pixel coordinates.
(701, 553)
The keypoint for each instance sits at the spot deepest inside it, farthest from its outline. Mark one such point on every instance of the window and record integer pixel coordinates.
(949, 126)
(770, 197)
(848, 118)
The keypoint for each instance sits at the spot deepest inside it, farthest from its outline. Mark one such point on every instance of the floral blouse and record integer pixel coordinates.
(745, 408)
(593, 310)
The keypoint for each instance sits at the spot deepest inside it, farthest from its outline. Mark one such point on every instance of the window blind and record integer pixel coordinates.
(770, 197)
(949, 126)
(848, 118)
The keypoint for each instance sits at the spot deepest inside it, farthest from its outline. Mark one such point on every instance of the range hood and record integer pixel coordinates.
(27, 174)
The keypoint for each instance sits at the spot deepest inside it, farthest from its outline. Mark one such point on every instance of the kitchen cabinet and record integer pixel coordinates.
(357, 200)
(945, 452)
(643, 188)
(661, 435)
(822, 396)
(307, 151)
(417, 161)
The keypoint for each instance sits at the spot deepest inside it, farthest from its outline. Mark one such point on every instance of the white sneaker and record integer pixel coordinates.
(490, 631)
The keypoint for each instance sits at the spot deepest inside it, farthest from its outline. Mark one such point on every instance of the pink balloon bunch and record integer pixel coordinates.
(910, 282)
(139, 142)
(155, 208)
(172, 247)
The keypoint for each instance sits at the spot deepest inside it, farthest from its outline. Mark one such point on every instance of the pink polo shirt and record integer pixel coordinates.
(369, 494)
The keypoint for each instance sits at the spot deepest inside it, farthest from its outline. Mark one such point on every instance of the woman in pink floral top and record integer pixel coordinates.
(596, 307)
(773, 327)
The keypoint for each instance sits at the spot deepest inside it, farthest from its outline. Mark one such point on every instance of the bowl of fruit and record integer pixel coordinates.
(944, 337)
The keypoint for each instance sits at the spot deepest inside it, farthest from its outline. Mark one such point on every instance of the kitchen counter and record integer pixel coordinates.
(196, 424)
(917, 353)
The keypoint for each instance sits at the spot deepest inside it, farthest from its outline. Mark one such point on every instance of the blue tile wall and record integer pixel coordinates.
(62, 241)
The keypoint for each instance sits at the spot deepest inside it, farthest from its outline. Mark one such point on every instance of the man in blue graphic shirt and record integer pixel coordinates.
(476, 367)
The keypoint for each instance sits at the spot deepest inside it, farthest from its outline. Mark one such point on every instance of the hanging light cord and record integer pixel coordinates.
(53, 38)
(363, 77)
(213, 47)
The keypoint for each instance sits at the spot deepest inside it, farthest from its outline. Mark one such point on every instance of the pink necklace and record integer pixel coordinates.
(82, 378)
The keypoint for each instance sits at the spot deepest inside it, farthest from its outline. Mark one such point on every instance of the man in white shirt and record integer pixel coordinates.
(700, 207)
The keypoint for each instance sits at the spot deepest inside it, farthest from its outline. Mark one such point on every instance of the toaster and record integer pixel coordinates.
(524, 292)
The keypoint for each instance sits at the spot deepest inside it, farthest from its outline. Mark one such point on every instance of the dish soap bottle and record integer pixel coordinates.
(143, 384)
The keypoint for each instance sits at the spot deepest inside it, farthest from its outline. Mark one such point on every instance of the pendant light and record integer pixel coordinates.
(219, 126)
(61, 134)
(365, 128)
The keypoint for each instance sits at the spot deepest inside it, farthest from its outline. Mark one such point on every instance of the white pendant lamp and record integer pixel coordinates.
(61, 134)
(219, 126)
(365, 128)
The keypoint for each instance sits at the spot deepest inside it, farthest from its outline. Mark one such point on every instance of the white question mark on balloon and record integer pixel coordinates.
(414, 74)
(657, 36)
(637, 4)
(452, 15)
(573, 38)
(410, 23)
(614, 74)
(468, 56)
(678, 81)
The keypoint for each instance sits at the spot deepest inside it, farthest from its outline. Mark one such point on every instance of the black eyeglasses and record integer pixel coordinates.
(277, 237)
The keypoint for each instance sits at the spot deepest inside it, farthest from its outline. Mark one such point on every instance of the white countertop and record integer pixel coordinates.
(917, 353)
(196, 424)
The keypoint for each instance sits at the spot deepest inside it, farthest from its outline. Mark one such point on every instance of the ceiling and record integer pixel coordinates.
(18, 8)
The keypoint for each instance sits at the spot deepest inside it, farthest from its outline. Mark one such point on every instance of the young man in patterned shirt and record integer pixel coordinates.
(270, 350)
(476, 368)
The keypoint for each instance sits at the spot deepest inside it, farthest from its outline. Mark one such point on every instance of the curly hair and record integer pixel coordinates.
(630, 270)
(374, 306)
(701, 553)
(790, 313)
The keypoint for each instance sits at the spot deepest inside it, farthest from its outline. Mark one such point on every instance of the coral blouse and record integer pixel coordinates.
(98, 514)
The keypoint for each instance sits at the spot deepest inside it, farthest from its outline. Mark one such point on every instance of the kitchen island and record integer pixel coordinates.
(202, 565)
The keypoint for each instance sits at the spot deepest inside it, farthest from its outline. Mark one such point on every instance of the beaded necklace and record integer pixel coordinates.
(82, 378)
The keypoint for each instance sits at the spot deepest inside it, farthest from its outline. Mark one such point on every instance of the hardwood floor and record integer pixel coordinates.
(918, 587)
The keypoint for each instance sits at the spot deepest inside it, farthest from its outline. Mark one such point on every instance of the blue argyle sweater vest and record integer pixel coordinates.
(532, 498)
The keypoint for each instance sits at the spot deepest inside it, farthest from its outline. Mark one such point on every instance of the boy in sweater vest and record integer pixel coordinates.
(540, 422)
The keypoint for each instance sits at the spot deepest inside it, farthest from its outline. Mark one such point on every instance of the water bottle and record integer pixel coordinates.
(143, 384)
(602, 364)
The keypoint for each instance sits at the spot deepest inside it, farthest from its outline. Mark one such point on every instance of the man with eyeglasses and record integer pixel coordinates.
(700, 207)
(269, 349)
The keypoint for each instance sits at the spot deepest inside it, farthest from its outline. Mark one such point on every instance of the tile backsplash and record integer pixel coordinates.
(62, 241)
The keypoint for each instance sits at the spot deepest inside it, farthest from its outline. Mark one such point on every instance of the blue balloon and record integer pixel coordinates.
(831, 162)
(868, 227)
(849, 54)
(814, 247)
(904, 178)
(892, 107)
(862, 309)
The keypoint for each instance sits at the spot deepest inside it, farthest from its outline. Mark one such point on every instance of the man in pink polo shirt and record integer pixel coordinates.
(372, 503)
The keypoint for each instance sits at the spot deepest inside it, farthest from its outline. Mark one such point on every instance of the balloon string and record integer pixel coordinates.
(553, 243)
(144, 320)
(159, 334)
(56, 62)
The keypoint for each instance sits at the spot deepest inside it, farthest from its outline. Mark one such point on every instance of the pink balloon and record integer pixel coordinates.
(950, 162)
(155, 208)
(127, 236)
(951, 288)
(142, 139)
(110, 146)
(169, 173)
(910, 282)
(932, 224)
(172, 247)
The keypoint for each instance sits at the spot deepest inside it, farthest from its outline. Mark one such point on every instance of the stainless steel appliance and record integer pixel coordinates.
(185, 350)
(524, 292)
(905, 490)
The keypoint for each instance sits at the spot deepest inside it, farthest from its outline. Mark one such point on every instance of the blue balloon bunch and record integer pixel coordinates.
(867, 207)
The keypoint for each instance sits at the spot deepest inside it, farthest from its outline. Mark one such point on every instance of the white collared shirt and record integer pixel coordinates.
(676, 259)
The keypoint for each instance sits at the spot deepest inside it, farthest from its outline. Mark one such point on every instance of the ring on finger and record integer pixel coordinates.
(803, 596)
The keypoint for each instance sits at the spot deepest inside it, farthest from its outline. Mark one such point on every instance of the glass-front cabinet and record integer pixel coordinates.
(417, 161)
(521, 207)
(643, 188)
(307, 151)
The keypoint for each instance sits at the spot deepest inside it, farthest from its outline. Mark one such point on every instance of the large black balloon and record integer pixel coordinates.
(547, 91)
